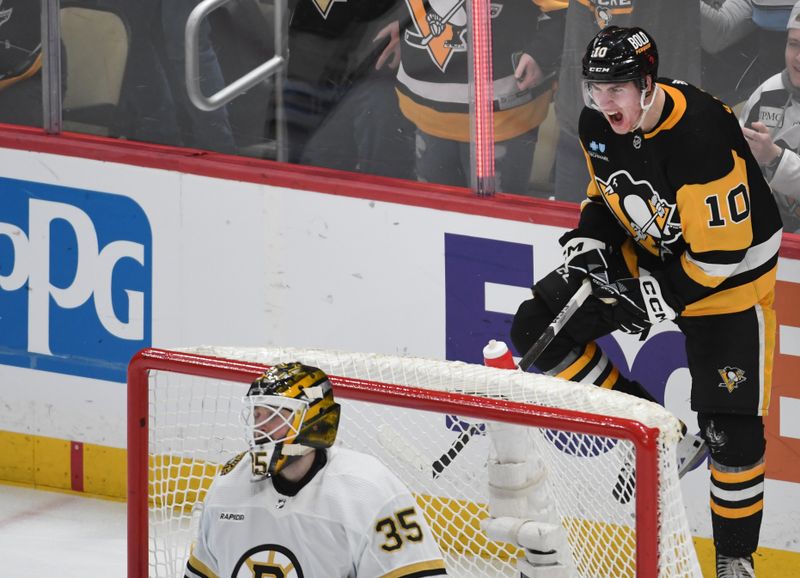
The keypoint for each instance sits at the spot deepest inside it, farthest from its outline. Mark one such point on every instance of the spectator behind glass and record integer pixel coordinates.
(676, 20)
(771, 124)
(742, 44)
(20, 63)
(434, 92)
(209, 130)
(341, 111)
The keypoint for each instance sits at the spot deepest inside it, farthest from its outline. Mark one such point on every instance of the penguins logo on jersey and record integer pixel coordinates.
(268, 561)
(605, 10)
(441, 27)
(649, 219)
(731, 378)
(324, 6)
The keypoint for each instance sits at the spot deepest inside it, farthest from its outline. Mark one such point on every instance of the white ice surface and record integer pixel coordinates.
(58, 534)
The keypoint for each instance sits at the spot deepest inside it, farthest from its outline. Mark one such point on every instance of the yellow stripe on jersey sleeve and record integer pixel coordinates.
(705, 276)
(414, 569)
(200, 568)
(715, 216)
(734, 299)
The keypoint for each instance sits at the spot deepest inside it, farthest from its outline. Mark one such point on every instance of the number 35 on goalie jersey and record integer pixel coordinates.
(354, 519)
(691, 196)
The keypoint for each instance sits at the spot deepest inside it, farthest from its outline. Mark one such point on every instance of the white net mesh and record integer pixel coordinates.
(194, 425)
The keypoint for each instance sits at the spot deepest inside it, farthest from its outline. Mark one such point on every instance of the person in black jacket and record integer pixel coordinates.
(340, 107)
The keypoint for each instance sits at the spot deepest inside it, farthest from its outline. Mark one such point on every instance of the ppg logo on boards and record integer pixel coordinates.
(75, 280)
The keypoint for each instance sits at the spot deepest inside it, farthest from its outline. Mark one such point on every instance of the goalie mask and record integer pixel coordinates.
(289, 412)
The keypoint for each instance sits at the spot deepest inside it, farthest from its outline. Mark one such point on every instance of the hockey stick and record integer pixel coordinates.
(455, 448)
(558, 323)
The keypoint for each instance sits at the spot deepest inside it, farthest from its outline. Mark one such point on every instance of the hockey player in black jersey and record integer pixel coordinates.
(678, 225)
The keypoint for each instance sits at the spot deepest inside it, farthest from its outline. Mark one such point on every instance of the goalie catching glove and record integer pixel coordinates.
(638, 303)
(585, 257)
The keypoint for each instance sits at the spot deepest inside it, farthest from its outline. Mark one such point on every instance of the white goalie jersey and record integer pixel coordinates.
(353, 519)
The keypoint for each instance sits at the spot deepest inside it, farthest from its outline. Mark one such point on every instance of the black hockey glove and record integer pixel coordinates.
(585, 257)
(638, 303)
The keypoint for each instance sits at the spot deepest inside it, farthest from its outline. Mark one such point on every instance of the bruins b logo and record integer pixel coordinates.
(268, 561)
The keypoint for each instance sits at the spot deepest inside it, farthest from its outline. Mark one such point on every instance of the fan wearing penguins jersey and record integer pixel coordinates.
(680, 225)
(294, 506)
(433, 85)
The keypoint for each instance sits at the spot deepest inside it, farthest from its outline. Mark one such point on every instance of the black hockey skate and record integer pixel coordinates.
(735, 567)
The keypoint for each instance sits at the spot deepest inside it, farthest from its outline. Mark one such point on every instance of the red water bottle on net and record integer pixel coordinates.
(497, 354)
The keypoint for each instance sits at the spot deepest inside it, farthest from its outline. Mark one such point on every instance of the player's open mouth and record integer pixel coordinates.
(614, 117)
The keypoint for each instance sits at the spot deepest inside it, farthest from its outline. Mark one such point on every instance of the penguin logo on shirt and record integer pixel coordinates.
(650, 219)
(268, 561)
(440, 28)
(324, 6)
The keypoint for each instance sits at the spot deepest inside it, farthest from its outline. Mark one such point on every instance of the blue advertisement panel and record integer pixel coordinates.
(75, 280)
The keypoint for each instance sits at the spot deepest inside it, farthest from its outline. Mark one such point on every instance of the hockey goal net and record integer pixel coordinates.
(427, 421)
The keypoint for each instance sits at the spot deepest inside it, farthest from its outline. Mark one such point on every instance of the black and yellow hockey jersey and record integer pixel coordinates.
(330, 41)
(432, 81)
(691, 196)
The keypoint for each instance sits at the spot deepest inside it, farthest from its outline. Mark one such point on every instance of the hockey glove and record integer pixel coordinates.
(585, 257)
(638, 303)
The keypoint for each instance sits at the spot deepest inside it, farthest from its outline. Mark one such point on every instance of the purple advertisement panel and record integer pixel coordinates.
(473, 262)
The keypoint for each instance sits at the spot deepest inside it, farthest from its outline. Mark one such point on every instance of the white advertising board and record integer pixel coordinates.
(99, 259)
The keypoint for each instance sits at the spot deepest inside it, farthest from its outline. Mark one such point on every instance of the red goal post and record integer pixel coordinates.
(391, 384)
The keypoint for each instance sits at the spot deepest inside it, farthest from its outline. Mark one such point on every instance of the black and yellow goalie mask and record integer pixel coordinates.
(289, 412)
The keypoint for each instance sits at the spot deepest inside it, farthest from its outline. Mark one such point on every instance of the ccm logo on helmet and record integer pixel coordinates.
(639, 41)
(599, 69)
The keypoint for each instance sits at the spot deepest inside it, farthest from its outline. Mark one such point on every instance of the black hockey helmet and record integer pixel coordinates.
(619, 54)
